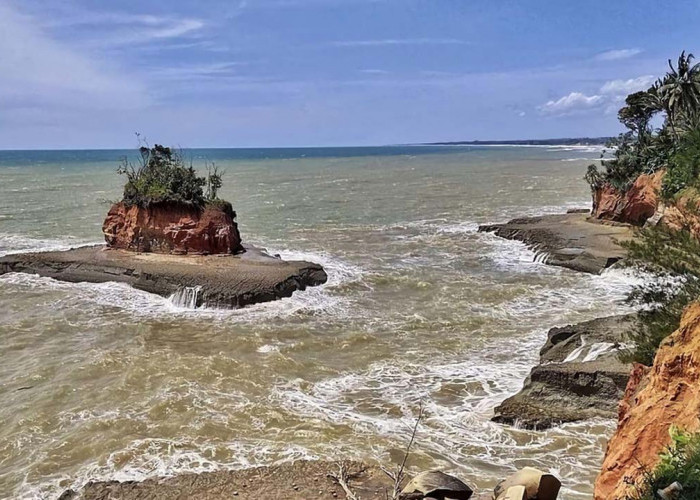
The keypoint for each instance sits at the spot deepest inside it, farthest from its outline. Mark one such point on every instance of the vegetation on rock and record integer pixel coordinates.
(675, 145)
(162, 176)
(679, 463)
(674, 257)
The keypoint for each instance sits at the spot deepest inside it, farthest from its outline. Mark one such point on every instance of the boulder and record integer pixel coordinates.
(435, 485)
(579, 376)
(633, 206)
(536, 484)
(173, 228)
(667, 394)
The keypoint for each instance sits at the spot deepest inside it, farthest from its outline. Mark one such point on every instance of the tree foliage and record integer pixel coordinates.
(162, 175)
(644, 150)
(673, 256)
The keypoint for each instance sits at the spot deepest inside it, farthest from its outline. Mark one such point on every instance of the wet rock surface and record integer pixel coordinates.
(572, 240)
(222, 281)
(579, 376)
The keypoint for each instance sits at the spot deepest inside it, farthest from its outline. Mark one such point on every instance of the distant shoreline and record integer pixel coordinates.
(575, 141)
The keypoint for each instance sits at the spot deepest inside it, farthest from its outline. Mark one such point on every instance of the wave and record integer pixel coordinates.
(313, 300)
(15, 243)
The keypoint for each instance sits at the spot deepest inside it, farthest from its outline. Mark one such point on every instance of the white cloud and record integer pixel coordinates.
(36, 71)
(116, 28)
(399, 41)
(615, 55)
(374, 71)
(608, 98)
(197, 71)
(625, 87)
(574, 102)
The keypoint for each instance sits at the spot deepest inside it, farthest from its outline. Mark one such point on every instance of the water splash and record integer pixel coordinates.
(186, 297)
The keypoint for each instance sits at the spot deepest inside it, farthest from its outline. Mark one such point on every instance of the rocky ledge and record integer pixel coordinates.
(579, 376)
(303, 480)
(297, 481)
(223, 281)
(573, 240)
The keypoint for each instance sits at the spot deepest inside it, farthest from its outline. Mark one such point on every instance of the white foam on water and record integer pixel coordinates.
(458, 431)
(598, 349)
(149, 457)
(15, 243)
(186, 297)
(485, 377)
(313, 300)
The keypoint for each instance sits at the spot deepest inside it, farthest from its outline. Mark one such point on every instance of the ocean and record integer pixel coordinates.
(101, 381)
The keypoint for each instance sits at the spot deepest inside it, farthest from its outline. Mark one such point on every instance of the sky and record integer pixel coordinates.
(280, 73)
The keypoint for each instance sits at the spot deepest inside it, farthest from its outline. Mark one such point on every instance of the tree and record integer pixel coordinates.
(679, 92)
(636, 115)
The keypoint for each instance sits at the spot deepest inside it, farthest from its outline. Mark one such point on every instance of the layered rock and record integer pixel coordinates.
(221, 281)
(669, 394)
(579, 376)
(633, 206)
(173, 228)
(572, 240)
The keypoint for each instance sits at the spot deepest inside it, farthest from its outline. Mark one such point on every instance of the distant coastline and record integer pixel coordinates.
(568, 141)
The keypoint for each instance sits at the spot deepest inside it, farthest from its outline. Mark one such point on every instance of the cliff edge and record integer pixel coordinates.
(667, 394)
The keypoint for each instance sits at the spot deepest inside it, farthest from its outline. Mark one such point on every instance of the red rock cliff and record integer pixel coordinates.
(634, 206)
(173, 228)
(668, 394)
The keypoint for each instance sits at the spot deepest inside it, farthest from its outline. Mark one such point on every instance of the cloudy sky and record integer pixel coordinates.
(248, 73)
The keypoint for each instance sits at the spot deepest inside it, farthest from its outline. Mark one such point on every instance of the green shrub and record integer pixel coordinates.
(679, 462)
(163, 176)
(674, 258)
(683, 167)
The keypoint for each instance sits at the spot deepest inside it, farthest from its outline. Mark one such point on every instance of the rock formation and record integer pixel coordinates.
(572, 240)
(669, 394)
(221, 281)
(173, 228)
(579, 376)
(634, 206)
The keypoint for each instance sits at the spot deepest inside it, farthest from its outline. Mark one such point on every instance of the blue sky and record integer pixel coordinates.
(251, 73)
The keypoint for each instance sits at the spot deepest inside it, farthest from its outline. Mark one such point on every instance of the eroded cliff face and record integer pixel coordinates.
(634, 206)
(173, 228)
(667, 394)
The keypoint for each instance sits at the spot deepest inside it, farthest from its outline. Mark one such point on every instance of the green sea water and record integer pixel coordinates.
(100, 381)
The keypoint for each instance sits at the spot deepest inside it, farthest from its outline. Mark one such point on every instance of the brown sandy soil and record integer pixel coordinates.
(573, 240)
(300, 480)
(226, 281)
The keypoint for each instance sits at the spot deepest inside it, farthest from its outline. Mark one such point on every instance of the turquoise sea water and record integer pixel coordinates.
(419, 309)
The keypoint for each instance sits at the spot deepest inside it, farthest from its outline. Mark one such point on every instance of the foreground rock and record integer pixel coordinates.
(633, 206)
(173, 228)
(317, 480)
(435, 484)
(528, 484)
(572, 240)
(667, 394)
(579, 376)
(298, 481)
(224, 281)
